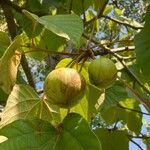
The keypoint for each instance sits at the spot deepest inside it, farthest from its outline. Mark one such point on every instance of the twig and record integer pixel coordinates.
(70, 7)
(134, 110)
(99, 15)
(122, 23)
(27, 71)
(136, 144)
(141, 98)
(146, 137)
(37, 49)
(123, 49)
(83, 10)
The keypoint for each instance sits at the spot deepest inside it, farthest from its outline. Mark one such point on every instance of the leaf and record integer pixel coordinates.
(67, 26)
(113, 95)
(93, 96)
(4, 42)
(28, 134)
(23, 102)
(78, 7)
(142, 47)
(9, 63)
(112, 140)
(52, 41)
(39, 134)
(129, 117)
(28, 23)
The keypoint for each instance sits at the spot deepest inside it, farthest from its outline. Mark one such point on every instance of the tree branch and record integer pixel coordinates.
(134, 110)
(136, 144)
(99, 15)
(122, 23)
(146, 137)
(12, 28)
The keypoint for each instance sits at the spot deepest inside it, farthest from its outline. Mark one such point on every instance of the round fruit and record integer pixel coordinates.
(64, 87)
(102, 72)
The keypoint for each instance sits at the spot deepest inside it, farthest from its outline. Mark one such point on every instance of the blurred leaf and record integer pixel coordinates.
(42, 135)
(78, 7)
(41, 7)
(23, 102)
(147, 143)
(142, 47)
(4, 42)
(112, 140)
(9, 63)
(108, 9)
(28, 23)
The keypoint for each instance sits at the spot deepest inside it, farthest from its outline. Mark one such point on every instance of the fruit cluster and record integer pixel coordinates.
(65, 87)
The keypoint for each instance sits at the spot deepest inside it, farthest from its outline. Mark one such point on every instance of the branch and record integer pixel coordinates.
(27, 71)
(12, 28)
(123, 23)
(122, 49)
(99, 15)
(134, 110)
(141, 98)
(37, 49)
(146, 137)
(136, 144)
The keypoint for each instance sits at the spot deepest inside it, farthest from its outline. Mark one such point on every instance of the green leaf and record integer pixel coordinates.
(129, 117)
(9, 63)
(93, 94)
(76, 130)
(28, 23)
(52, 41)
(78, 7)
(23, 102)
(67, 26)
(147, 143)
(4, 42)
(74, 133)
(29, 134)
(142, 47)
(112, 140)
(113, 95)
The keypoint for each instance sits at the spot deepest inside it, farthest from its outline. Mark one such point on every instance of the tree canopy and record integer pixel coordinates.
(103, 102)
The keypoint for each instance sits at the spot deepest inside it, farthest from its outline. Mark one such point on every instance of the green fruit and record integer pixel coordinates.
(102, 72)
(64, 87)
